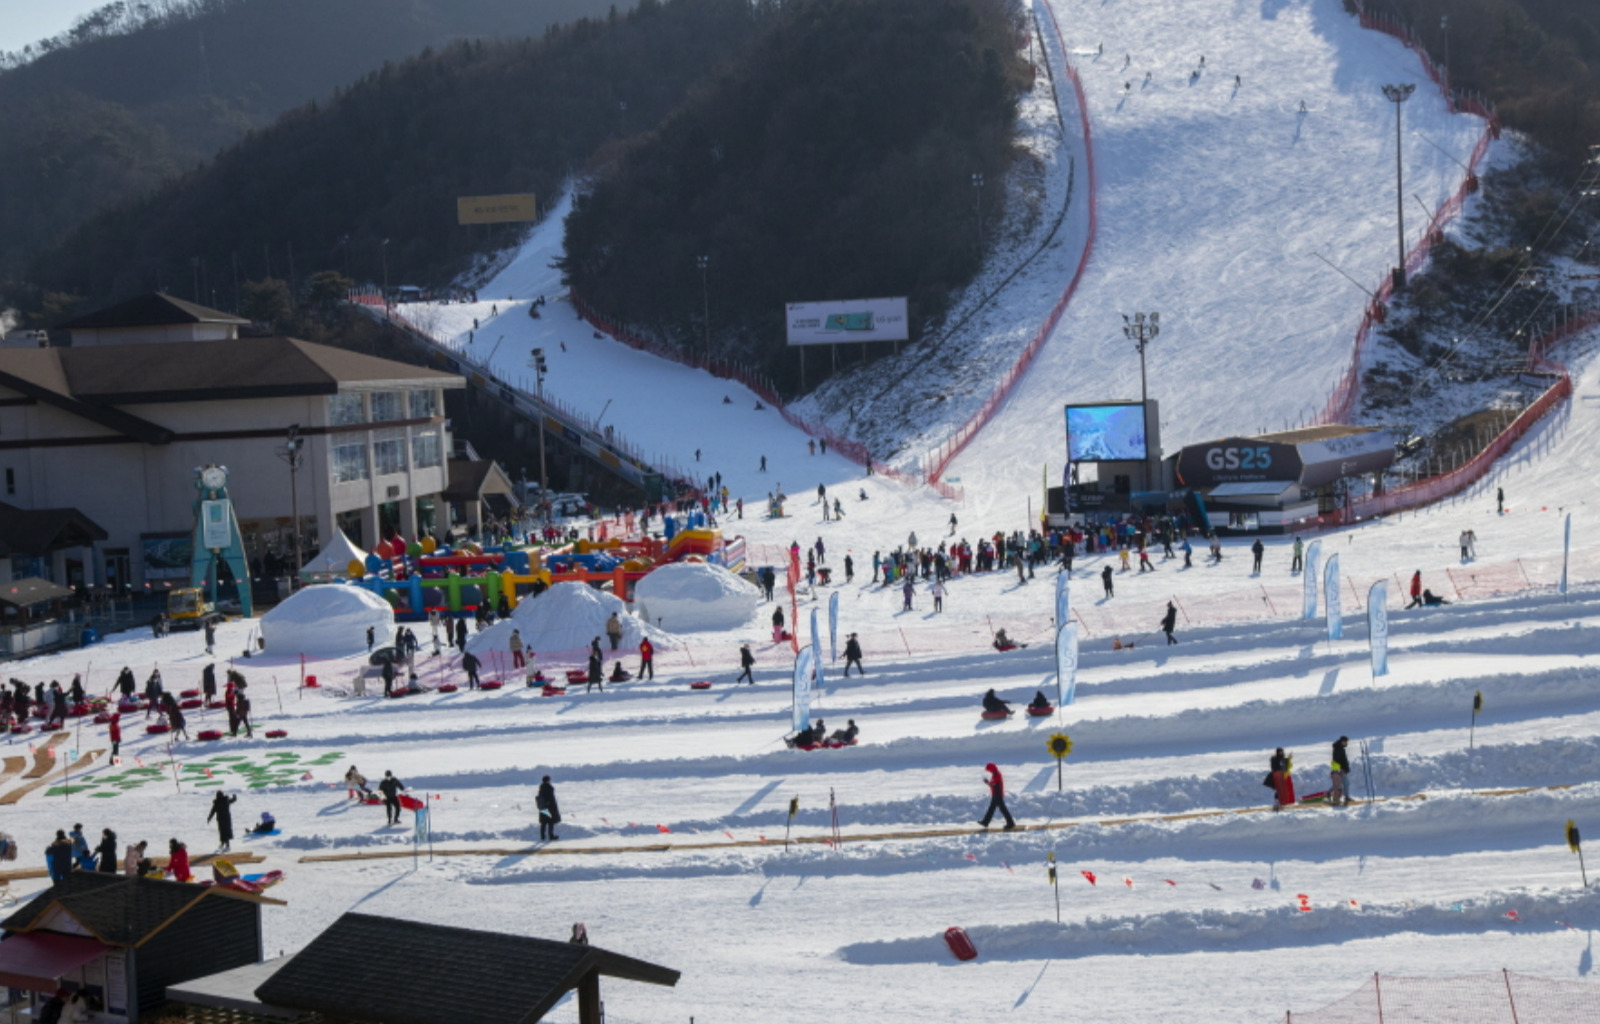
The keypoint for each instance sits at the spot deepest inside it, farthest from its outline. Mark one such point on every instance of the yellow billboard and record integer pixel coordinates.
(496, 209)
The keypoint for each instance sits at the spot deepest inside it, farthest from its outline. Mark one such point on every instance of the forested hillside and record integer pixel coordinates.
(139, 92)
(835, 159)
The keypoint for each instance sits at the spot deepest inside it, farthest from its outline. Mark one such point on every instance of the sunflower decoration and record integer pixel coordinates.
(1060, 745)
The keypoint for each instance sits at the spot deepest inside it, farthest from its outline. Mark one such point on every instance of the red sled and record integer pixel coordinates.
(77, 711)
(577, 675)
(1003, 647)
(838, 744)
(215, 705)
(411, 803)
(375, 801)
(493, 684)
(553, 691)
(995, 716)
(277, 734)
(186, 694)
(21, 728)
(158, 727)
(704, 684)
(209, 734)
(102, 718)
(449, 688)
(129, 706)
(190, 704)
(959, 944)
(1048, 709)
(50, 727)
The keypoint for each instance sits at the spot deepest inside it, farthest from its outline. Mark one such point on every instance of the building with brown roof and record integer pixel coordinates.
(113, 428)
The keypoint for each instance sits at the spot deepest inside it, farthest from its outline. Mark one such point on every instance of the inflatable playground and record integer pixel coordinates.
(420, 576)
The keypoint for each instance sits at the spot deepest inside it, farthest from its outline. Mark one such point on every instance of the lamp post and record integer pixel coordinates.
(705, 300)
(1444, 26)
(1141, 329)
(540, 367)
(977, 205)
(1398, 94)
(383, 251)
(292, 452)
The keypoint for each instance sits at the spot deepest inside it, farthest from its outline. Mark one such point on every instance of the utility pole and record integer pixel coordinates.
(1141, 329)
(705, 300)
(1444, 26)
(540, 367)
(292, 452)
(977, 205)
(383, 250)
(1398, 94)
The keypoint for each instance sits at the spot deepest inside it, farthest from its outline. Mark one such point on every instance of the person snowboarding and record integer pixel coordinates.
(852, 655)
(1297, 563)
(1281, 779)
(647, 658)
(1256, 551)
(747, 664)
(1105, 581)
(1416, 590)
(1169, 622)
(391, 788)
(997, 798)
(549, 811)
(1339, 771)
(222, 813)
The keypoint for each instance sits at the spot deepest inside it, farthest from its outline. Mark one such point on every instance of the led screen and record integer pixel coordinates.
(1105, 433)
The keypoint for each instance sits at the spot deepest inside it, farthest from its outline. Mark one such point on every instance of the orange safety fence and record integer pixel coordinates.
(1499, 997)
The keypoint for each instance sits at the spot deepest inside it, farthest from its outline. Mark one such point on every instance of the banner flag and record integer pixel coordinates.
(1063, 599)
(816, 650)
(1066, 664)
(802, 689)
(1308, 577)
(1378, 627)
(833, 625)
(1330, 597)
(1566, 552)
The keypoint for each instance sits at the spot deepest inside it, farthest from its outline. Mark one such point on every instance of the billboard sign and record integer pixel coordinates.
(1108, 432)
(216, 524)
(496, 209)
(1238, 460)
(828, 323)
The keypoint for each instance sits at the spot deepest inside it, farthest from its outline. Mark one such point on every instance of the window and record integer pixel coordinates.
(424, 404)
(388, 406)
(425, 449)
(349, 462)
(389, 451)
(343, 410)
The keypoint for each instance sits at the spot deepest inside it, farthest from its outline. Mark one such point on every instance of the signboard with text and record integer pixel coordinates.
(829, 323)
(496, 209)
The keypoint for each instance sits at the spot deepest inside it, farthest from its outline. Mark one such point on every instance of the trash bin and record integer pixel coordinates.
(88, 636)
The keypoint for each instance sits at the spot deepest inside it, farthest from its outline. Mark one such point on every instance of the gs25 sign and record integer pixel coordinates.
(1237, 460)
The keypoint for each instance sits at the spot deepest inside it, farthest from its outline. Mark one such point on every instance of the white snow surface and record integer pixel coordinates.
(326, 621)
(688, 597)
(564, 618)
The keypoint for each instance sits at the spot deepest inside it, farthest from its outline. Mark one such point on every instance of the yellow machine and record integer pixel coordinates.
(187, 607)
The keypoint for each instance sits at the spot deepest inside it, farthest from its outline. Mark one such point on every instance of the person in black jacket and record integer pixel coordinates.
(180, 725)
(469, 665)
(747, 664)
(58, 705)
(391, 788)
(222, 812)
(461, 635)
(1338, 791)
(596, 675)
(1105, 581)
(126, 683)
(1169, 622)
(549, 811)
(852, 656)
(388, 678)
(1256, 551)
(106, 852)
(208, 682)
(58, 857)
(994, 705)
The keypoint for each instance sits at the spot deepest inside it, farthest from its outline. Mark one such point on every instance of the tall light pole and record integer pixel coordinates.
(1444, 26)
(977, 205)
(383, 251)
(293, 453)
(1398, 94)
(1141, 329)
(539, 369)
(705, 300)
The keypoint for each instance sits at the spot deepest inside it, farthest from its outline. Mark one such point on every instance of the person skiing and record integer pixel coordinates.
(1297, 563)
(1281, 779)
(391, 788)
(614, 630)
(222, 811)
(1416, 590)
(997, 798)
(1169, 622)
(1105, 581)
(1339, 771)
(1188, 553)
(1256, 551)
(852, 655)
(647, 658)
(549, 811)
(747, 664)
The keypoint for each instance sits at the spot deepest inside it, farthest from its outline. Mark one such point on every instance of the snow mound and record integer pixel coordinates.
(329, 621)
(565, 618)
(692, 596)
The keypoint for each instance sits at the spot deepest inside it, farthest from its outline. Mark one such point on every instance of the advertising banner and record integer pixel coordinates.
(1378, 627)
(1330, 597)
(802, 689)
(1308, 576)
(833, 625)
(1066, 664)
(504, 209)
(829, 323)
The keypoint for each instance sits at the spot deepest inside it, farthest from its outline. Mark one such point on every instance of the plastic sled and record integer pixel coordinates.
(577, 675)
(186, 694)
(449, 688)
(158, 727)
(838, 744)
(995, 716)
(1315, 798)
(553, 691)
(277, 734)
(55, 726)
(190, 704)
(805, 746)
(493, 684)
(20, 729)
(373, 801)
(411, 803)
(1048, 709)
(129, 706)
(77, 711)
(208, 734)
(1004, 647)
(267, 879)
(704, 684)
(102, 718)
(960, 944)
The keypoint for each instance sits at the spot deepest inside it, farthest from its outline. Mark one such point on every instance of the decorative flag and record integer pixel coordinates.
(1330, 597)
(802, 689)
(1308, 580)
(833, 625)
(1305, 902)
(1063, 598)
(1566, 552)
(1089, 875)
(1066, 664)
(1378, 627)
(816, 650)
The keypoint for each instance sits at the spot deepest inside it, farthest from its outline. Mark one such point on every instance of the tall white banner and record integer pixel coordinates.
(1308, 577)
(833, 625)
(1330, 597)
(802, 689)
(1063, 597)
(1066, 664)
(1378, 627)
(816, 649)
(1566, 552)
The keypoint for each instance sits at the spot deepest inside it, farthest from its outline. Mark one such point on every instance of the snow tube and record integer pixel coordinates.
(577, 675)
(805, 746)
(102, 718)
(277, 734)
(1048, 709)
(50, 727)
(215, 705)
(129, 706)
(77, 711)
(1004, 647)
(838, 744)
(449, 688)
(157, 727)
(701, 685)
(209, 734)
(994, 716)
(493, 684)
(411, 803)
(190, 704)
(186, 694)
(20, 728)
(960, 944)
(554, 691)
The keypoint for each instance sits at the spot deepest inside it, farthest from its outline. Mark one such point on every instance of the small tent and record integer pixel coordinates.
(335, 558)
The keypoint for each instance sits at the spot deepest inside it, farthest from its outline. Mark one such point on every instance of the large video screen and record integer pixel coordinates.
(1106, 433)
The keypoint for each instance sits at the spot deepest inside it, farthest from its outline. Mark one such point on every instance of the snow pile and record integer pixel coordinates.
(564, 618)
(691, 596)
(328, 621)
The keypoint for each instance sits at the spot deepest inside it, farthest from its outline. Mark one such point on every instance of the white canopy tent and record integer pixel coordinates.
(333, 558)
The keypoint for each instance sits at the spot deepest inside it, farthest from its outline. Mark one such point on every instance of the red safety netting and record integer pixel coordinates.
(1500, 997)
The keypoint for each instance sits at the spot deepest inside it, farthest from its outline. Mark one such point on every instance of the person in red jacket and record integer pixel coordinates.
(1416, 590)
(115, 729)
(178, 864)
(647, 658)
(997, 798)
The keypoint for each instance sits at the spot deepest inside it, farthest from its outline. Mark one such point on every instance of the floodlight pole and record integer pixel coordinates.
(1142, 329)
(539, 367)
(292, 452)
(705, 302)
(1398, 94)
